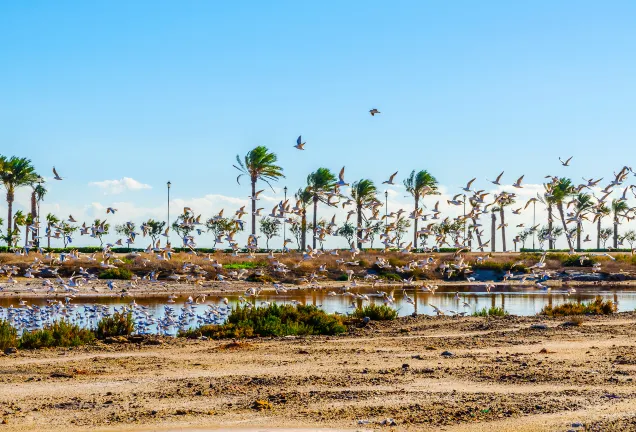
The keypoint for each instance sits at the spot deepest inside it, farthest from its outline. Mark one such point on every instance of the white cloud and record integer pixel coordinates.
(114, 187)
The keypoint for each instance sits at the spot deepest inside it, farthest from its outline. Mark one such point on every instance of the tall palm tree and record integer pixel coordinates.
(547, 199)
(39, 191)
(304, 197)
(504, 201)
(493, 227)
(363, 194)
(418, 185)
(258, 164)
(601, 211)
(619, 208)
(560, 191)
(14, 173)
(51, 220)
(318, 183)
(582, 204)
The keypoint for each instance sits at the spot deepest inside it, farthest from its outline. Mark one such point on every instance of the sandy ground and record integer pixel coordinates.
(503, 375)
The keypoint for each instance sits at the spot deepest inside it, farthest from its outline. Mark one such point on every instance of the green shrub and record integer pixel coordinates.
(343, 277)
(59, 334)
(492, 311)
(376, 313)
(116, 273)
(274, 320)
(8, 335)
(118, 324)
(391, 277)
(596, 307)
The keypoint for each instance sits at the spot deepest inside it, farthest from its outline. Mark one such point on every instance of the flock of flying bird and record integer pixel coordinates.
(45, 265)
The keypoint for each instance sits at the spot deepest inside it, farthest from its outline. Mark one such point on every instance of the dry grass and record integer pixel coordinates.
(298, 268)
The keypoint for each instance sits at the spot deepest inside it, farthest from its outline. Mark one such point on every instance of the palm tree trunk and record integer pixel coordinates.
(493, 230)
(578, 235)
(303, 226)
(598, 233)
(565, 227)
(9, 217)
(550, 240)
(615, 231)
(313, 243)
(503, 228)
(34, 215)
(417, 199)
(48, 237)
(359, 230)
(253, 207)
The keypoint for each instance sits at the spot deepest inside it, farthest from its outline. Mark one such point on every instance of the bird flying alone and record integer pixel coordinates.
(567, 162)
(56, 175)
(374, 111)
(390, 180)
(300, 145)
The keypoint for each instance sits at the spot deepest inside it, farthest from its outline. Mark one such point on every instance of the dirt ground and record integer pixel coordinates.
(423, 373)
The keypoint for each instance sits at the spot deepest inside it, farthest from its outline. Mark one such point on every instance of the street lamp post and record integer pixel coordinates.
(284, 221)
(37, 216)
(168, 236)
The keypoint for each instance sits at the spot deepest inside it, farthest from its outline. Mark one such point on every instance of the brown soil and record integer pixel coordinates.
(503, 375)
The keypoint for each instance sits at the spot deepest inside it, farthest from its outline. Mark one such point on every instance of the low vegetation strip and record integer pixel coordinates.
(492, 311)
(273, 320)
(596, 307)
(376, 313)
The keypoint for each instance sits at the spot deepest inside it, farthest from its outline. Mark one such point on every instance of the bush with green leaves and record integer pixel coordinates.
(376, 313)
(8, 335)
(596, 307)
(58, 334)
(118, 324)
(116, 273)
(491, 311)
(273, 320)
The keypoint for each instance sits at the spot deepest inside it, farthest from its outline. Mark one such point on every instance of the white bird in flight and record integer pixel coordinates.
(57, 176)
(567, 162)
(374, 111)
(390, 180)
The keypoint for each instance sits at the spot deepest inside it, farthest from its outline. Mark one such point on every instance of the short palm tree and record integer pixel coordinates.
(548, 200)
(582, 204)
(318, 183)
(258, 164)
(304, 197)
(19, 220)
(363, 193)
(601, 211)
(51, 220)
(561, 190)
(619, 208)
(418, 185)
(15, 172)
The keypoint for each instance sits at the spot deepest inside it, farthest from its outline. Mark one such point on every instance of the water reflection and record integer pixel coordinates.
(157, 314)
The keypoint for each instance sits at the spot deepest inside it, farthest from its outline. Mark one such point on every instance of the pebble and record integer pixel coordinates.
(447, 354)
(539, 327)
(10, 350)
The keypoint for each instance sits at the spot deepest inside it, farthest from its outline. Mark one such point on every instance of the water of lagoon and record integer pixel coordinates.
(516, 301)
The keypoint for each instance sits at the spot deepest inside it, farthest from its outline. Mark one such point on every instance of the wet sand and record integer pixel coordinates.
(501, 375)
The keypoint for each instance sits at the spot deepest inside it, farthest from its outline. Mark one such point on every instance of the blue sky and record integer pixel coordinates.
(158, 90)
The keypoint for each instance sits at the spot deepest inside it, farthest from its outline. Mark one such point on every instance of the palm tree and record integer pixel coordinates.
(19, 219)
(258, 164)
(548, 200)
(418, 185)
(363, 193)
(14, 173)
(560, 190)
(304, 197)
(504, 200)
(601, 212)
(318, 183)
(619, 208)
(39, 191)
(582, 204)
(51, 220)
